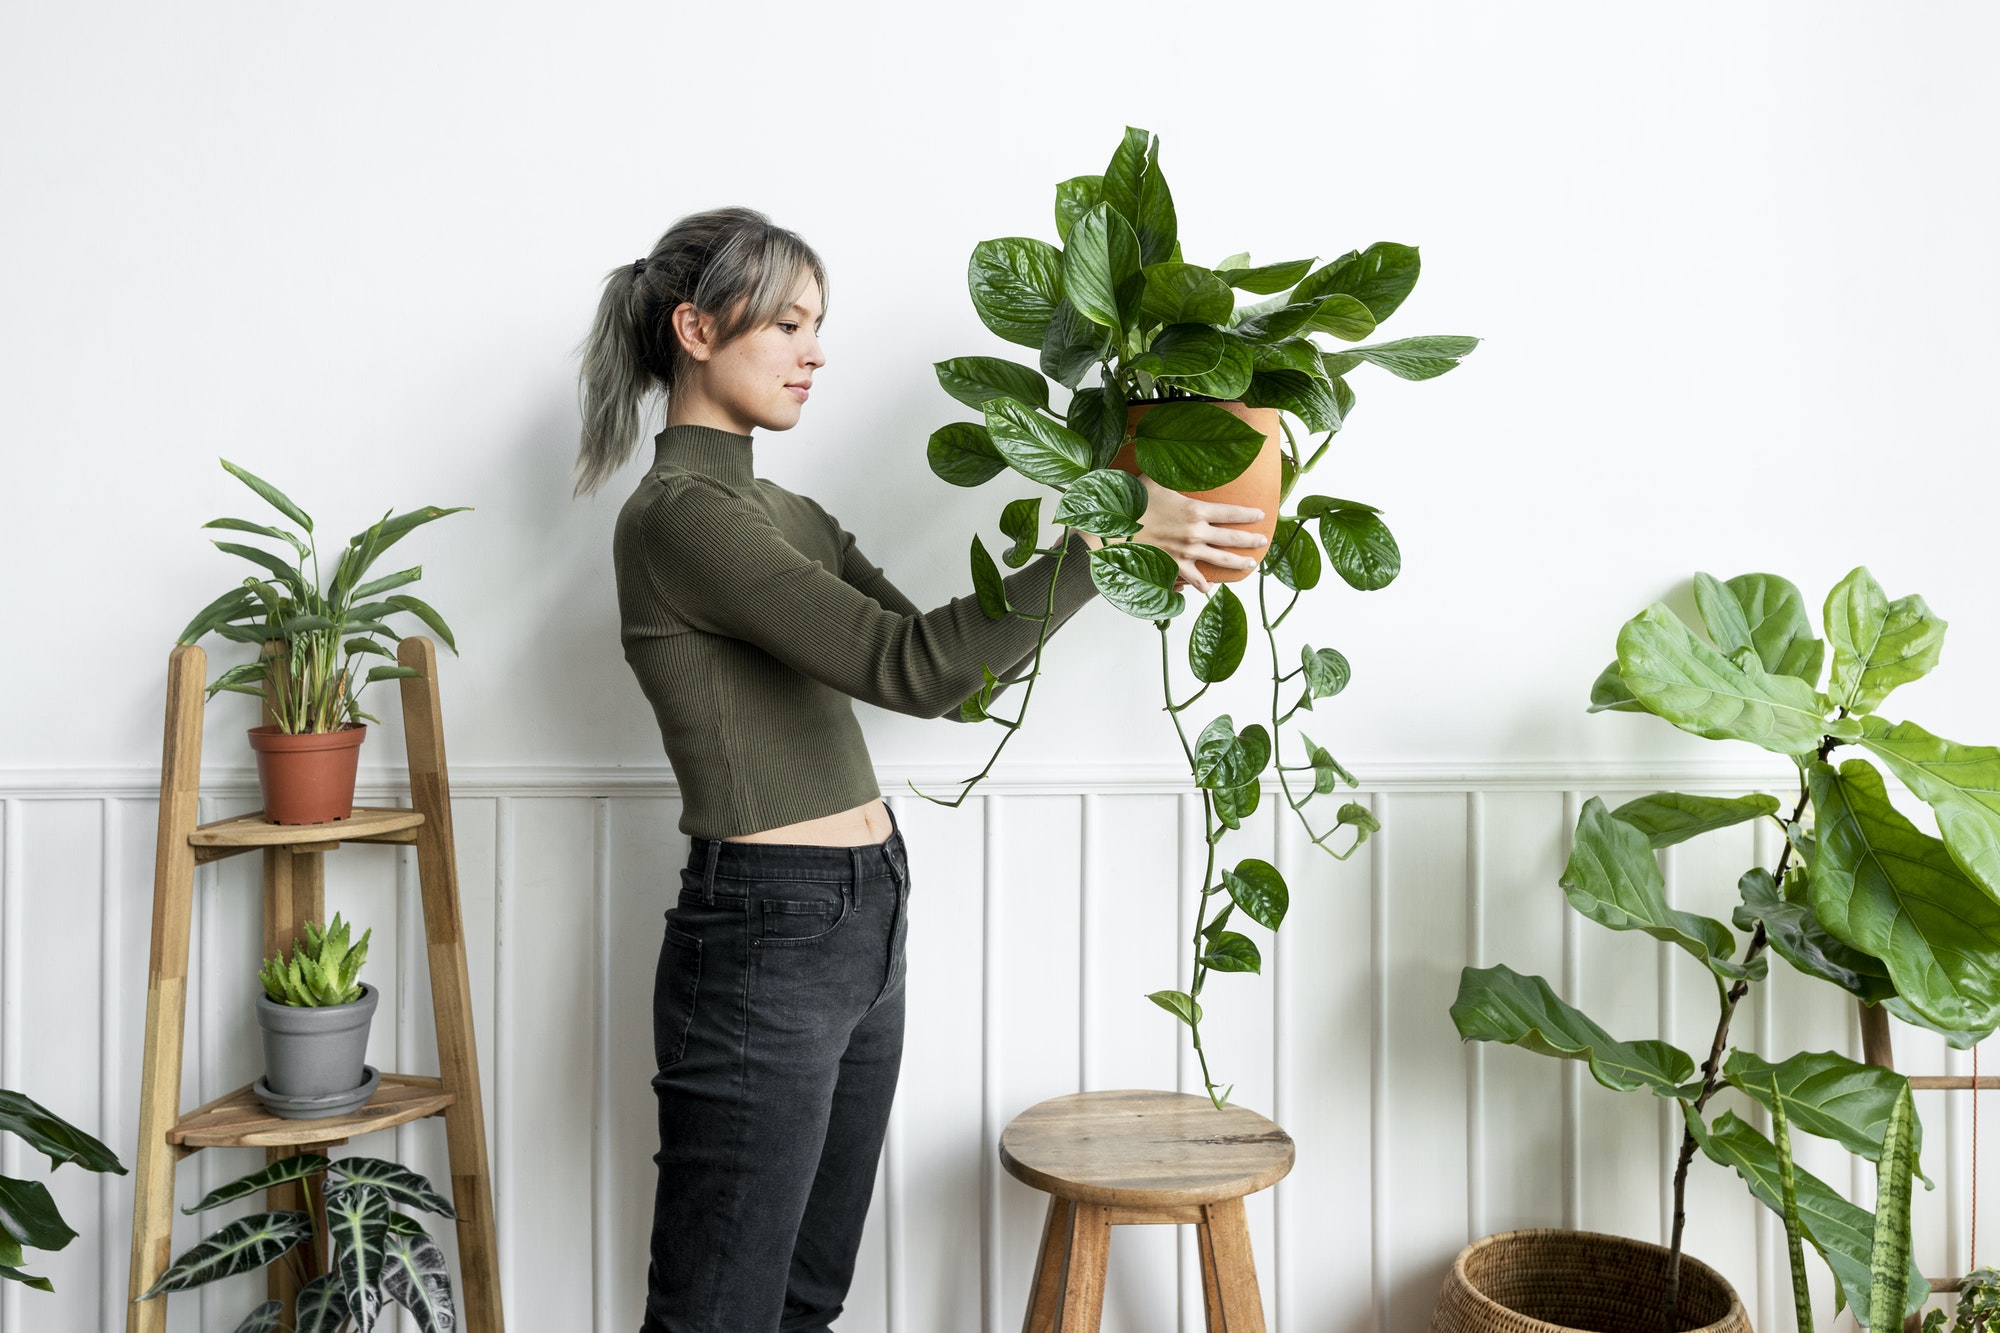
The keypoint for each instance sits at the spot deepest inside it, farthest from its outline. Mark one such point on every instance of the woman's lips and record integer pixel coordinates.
(798, 391)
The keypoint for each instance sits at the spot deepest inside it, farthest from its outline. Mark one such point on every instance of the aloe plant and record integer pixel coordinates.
(1116, 295)
(365, 1256)
(1860, 897)
(29, 1218)
(326, 633)
(321, 970)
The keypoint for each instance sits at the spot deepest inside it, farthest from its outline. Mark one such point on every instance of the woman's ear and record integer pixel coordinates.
(694, 330)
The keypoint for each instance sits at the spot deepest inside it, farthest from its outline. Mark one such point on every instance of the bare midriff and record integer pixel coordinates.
(865, 824)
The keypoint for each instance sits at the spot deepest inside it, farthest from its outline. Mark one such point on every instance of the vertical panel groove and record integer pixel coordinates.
(600, 1133)
(410, 947)
(1281, 1079)
(108, 830)
(1086, 928)
(989, 1070)
(10, 1009)
(1766, 1221)
(1672, 1126)
(1571, 1072)
(503, 1041)
(1378, 1061)
(1475, 1051)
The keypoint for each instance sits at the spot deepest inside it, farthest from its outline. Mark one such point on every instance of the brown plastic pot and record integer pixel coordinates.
(1557, 1281)
(307, 778)
(1257, 487)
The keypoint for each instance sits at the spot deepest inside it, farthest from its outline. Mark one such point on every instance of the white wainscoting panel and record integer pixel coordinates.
(1042, 912)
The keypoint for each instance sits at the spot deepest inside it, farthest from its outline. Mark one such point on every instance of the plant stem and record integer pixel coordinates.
(1277, 723)
(1200, 972)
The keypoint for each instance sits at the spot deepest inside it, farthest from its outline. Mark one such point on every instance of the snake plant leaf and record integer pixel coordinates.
(1264, 279)
(1781, 1131)
(1178, 1003)
(1359, 546)
(1765, 613)
(245, 1245)
(1258, 888)
(1106, 501)
(1138, 579)
(357, 1221)
(1220, 633)
(266, 1318)
(1021, 520)
(1231, 952)
(1075, 197)
(962, 453)
(1071, 345)
(1960, 783)
(278, 1173)
(1877, 644)
(1184, 294)
(1613, 879)
(1420, 358)
(1227, 380)
(1380, 277)
(1233, 805)
(1102, 275)
(1015, 283)
(1182, 350)
(1827, 1094)
(1889, 1251)
(1225, 758)
(1668, 817)
(1293, 556)
(1881, 885)
(52, 1136)
(414, 1276)
(1698, 689)
(271, 495)
(1154, 219)
(987, 583)
(1500, 1004)
(262, 530)
(1842, 1231)
(1797, 936)
(1194, 446)
(28, 1213)
(322, 1305)
(1034, 446)
(1306, 396)
(977, 380)
(1327, 671)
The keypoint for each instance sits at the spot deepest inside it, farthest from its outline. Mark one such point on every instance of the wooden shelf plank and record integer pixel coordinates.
(1953, 1083)
(239, 1120)
(366, 824)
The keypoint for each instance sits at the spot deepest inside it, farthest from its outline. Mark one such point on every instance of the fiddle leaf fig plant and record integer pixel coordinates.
(315, 637)
(1117, 316)
(1906, 923)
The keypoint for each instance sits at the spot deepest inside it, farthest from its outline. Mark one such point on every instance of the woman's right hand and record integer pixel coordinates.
(1187, 529)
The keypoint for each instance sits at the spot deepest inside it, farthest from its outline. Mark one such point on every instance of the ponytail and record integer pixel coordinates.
(732, 262)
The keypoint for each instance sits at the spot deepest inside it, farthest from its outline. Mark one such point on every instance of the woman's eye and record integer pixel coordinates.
(788, 328)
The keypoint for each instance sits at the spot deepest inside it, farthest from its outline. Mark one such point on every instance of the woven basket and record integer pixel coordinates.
(1550, 1281)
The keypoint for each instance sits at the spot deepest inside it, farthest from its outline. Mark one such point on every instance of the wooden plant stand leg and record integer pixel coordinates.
(1083, 1276)
(1045, 1297)
(1228, 1273)
(451, 992)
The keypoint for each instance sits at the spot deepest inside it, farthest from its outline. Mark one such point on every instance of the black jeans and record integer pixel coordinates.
(778, 1035)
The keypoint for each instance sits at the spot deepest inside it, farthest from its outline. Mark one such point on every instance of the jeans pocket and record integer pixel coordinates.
(676, 981)
(804, 921)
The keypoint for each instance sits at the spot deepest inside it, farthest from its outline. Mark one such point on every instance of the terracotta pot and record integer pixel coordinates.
(307, 778)
(1553, 1281)
(1256, 487)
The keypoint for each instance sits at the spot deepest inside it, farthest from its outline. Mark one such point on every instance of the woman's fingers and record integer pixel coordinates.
(1215, 536)
(1221, 513)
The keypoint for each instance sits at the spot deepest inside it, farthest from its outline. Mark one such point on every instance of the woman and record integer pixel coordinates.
(752, 622)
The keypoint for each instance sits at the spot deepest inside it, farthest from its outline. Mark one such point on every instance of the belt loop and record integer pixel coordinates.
(855, 872)
(708, 872)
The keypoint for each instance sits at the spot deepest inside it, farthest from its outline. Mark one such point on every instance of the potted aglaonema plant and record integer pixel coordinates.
(314, 1015)
(315, 640)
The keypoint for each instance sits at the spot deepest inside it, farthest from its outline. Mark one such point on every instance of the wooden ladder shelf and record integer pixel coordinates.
(294, 893)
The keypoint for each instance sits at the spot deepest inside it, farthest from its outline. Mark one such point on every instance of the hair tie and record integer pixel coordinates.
(638, 267)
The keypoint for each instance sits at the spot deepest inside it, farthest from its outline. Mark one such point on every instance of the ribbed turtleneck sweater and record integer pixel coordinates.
(753, 622)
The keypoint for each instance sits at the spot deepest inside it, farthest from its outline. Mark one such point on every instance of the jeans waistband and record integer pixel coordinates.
(720, 858)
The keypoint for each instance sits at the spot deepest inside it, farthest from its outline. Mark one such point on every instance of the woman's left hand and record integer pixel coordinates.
(1187, 529)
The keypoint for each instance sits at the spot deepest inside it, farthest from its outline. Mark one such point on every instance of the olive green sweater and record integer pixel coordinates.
(753, 621)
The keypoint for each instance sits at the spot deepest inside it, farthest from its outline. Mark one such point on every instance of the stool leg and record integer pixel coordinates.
(1045, 1296)
(1083, 1277)
(1228, 1273)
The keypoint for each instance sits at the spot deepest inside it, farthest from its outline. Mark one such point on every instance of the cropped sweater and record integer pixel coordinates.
(753, 621)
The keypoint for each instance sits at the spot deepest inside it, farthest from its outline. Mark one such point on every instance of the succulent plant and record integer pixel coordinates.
(322, 969)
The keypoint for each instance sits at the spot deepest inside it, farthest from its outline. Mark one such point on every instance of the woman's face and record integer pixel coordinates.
(757, 381)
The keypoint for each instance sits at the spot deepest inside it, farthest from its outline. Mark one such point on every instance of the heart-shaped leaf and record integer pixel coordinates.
(1034, 446)
(1293, 556)
(1220, 633)
(1228, 379)
(1075, 197)
(1071, 345)
(1106, 501)
(1327, 671)
(1258, 888)
(1183, 350)
(977, 380)
(1223, 758)
(1021, 520)
(1184, 294)
(1178, 1003)
(987, 583)
(1194, 446)
(1138, 579)
(1230, 952)
(962, 453)
(1360, 547)
(1379, 277)
(1101, 265)
(1306, 396)
(1877, 644)
(1015, 283)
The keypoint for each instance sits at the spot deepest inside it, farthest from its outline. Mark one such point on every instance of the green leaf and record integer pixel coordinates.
(1021, 520)
(1034, 446)
(1265, 279)
(1106, 501)
(12, 1273)
(1221, 920)
(977, 380)
(974, 708)
(243, 1246)
(1889, 1253)
(392, 673)
(365, 646)
(1184, 294)
(1228, 379)
(1258, 888)
(1230, 952)
(1797, 936)
(987, 583)
(1359, 546)
(1613, 879)
(1075, 197)
(1827, 1094)
(1668, 817)
(1697, 689)
(1182, 350)
(1224, 758)
(399, 579)
(1327, 671)
(262, 530)
(1342, 316)
(1361, 818)
(357, 1223)
(1089, 415)
(1327, 771)
(276, 498)
(1195, 446)
(322, 1305)
(1124, 173)
(1609, 694)
(392, 530)
(1015, 283)
(1379, 277)
(264, 1319)
(1416, 358)
(1841, 1231)
(424, 613)
(1499, 1004)
(962, 453)
(1178, 1003)
(1293, 556)
(1961, 784)
(1882, 886)
(1306, 396)
(414, 1276)
(52, 1136)
(1780, 630)
(1072, 345)
(285, 574)
(1298, 354)
(28, 1213)
(1877, 644)
(235, 603)
(1102, 276)
(1233, 805)
(1154, 219)
(1283, 321)
(278, 1173)
(1138, 579)
(1220, 634)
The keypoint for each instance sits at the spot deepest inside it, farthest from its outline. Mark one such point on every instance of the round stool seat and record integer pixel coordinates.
(1144, 1149)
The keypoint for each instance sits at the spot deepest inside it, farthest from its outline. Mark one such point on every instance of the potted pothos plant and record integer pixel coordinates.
(315, 638)
(29, 1219)
(1168, 376)
(1861, 898)
(314, 1015)
(352, 1250)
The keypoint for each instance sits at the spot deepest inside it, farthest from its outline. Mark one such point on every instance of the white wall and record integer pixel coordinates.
(1732, 263)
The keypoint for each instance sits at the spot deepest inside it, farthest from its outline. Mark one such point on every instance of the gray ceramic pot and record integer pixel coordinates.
(315, 1051)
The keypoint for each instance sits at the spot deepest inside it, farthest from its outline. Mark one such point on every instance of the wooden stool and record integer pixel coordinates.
(1112, 1158)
